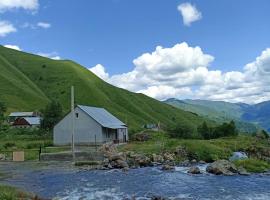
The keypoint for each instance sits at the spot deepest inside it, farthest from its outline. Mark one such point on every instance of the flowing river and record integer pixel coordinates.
(62, 181)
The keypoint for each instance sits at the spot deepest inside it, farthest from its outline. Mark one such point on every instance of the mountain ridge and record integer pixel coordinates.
(257, 114)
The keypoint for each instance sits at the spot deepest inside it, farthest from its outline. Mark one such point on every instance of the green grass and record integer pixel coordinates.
(207, 150)
(253, 165)
(11, 193)
(32, 81)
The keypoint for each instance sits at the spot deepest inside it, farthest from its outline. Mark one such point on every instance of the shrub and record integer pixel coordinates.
(253, 165)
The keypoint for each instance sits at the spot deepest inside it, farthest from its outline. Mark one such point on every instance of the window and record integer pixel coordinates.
(77, 115)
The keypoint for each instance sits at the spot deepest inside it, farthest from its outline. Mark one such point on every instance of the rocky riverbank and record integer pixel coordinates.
(167, 161)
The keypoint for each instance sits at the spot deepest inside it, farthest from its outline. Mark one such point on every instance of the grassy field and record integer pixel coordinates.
(29, 82)
(207, 150)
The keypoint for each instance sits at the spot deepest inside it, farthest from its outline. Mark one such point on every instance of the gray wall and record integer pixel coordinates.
(85, 130)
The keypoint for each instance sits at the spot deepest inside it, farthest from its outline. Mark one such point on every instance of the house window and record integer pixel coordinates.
(77, 115)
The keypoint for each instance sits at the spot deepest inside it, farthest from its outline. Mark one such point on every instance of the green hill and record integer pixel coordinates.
(218, 111)
(29, 82)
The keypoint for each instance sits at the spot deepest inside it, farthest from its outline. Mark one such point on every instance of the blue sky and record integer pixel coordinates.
(115, 32)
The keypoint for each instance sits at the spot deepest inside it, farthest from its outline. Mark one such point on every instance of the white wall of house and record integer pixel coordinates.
(86, 129)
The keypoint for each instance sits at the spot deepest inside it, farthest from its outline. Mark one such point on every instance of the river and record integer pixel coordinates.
(65, 182)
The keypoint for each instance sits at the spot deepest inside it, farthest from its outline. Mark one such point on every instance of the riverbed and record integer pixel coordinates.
(65, 182)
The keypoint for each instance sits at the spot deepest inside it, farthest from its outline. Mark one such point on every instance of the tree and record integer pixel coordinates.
(204, 131)
(51, 115)
(3, 109)
(181, 131)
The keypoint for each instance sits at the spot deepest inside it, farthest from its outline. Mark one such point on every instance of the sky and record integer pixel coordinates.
(217, 50)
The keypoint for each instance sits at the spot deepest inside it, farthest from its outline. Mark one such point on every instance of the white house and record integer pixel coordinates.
(91, 125)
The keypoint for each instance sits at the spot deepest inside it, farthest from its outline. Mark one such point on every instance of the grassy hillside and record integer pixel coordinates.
(218, 111)
(37, 80)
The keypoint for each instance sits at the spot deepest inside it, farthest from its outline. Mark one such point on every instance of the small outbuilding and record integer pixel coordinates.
(92, 125)
(27, 122)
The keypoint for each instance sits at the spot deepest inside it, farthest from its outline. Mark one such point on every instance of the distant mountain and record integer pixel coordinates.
(28, 82)
(247, 117)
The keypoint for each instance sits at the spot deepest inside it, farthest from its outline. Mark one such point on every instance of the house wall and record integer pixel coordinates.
(85, 128)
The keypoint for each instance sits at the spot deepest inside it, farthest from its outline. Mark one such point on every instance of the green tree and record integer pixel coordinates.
(51, 115)
(181, 131)
(204, 131)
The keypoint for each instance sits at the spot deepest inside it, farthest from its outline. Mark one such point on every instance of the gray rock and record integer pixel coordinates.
(193, 161)
(167, 167)
(243, 171)
(202, 162)
(222, 167)
(194, 170)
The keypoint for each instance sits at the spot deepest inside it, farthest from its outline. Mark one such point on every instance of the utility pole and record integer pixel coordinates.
(72, 123)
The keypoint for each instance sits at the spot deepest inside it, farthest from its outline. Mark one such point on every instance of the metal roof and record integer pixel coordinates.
(103, 117)
(21, 114)
(33, 120)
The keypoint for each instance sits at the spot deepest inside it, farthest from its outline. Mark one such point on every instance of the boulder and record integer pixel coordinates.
(185, 163)
(167, 167)
(142, 161)
(122, 164)
(168, 156)
(202, 162)
(116, 157)
(243, 171)
(193, 161)
(194, 170)
(220, 167)
(157, 158)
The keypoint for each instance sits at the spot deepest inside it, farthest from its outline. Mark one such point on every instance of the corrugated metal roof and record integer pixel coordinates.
(21, 114)
(33, 120)
(103, 117)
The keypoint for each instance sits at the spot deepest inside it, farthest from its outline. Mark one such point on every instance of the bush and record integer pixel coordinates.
(253, 165)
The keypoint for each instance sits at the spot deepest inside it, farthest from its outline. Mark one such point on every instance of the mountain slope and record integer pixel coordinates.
(218, 111)
(47, 79)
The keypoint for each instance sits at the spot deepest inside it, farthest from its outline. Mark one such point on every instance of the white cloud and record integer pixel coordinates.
(13, 47)
(6, 28)
(99, 70)
(52, 55)
(184, 72)
(15, 4)
(189, 13)
(43, 25)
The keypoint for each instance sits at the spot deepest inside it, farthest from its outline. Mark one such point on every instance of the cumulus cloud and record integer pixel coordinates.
(189, 13)
(44, 25)
(6, 28)
(183, 71)
(52, 55)
(99, 70)
(15, 4)
(13, 47)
